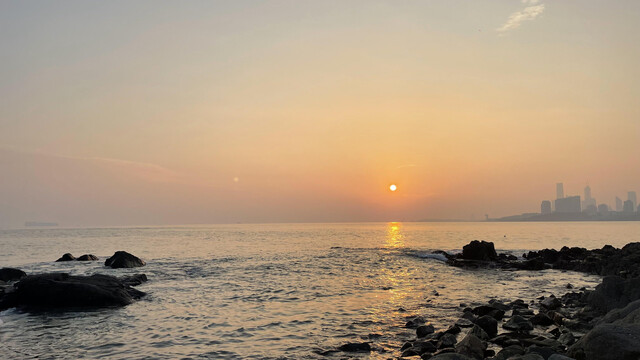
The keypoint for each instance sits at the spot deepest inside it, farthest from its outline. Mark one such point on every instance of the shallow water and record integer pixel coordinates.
(278, 291)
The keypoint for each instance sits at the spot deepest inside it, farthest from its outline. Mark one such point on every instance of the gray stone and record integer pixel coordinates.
(471, 346)
(608, 342)
(518, 323)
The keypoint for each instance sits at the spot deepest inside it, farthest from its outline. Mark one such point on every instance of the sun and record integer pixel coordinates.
(393, 187)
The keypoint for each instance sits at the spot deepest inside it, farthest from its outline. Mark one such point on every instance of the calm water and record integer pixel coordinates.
(282, 291)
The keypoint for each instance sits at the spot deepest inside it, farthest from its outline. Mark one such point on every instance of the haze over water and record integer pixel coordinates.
(279, 291)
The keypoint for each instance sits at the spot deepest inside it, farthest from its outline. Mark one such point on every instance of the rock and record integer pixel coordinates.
(614, 292)
(479, 250)
(87, 257)
(479, 333)
(551, 303)
(471, 346)
(355, 347)
(66, 257)
(464, 323)
(559, 357)
(134, 280)
(508, 352)
(453, 329)
(422, 347)
(518, 323)
(608, 342)
(497, 304)
(11, 274)
(122, 259)
(522, 312)
(527, 357)
(406, 345)
(545, 352)
(630, 314)
(447, 340)
(60, 290)
(450, 356)
(567, 339)
(488, 324)
(424, 330)
(541, 319)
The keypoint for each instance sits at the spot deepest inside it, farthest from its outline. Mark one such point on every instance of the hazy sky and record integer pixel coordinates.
(153, 112)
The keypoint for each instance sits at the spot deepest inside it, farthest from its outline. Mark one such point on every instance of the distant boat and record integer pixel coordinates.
(40, 223)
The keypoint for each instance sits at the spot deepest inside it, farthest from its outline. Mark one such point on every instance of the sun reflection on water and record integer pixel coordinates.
(395, 239)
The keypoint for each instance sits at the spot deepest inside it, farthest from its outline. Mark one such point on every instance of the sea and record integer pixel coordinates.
(279, 291)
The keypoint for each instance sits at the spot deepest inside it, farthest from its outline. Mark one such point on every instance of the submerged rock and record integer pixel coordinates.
(355, 347)
(60, 290)
(122, 259)
(11, 274)
(87, 257)
(66, 257)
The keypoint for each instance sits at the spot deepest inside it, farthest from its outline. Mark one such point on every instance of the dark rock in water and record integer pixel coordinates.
(413, 323)
(450, 356)
(499, 305)
(479, 250)
(463, 323)
(11, 274)
(133, 280)
(522, 312)
(87, 257)
(122, 259)
(355, 347)
(66, 257)
(447, 340)
(608, 342)
(482, 310)
(424, 330)
(60, 290)
(541, 319)
(518, 323)
(471, 346)
(422, 347)
(551, 303)
(406, 345)
(453, 329)
(488, 324)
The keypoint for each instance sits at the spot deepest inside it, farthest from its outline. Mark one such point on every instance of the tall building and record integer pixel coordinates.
(588, 200)
(618, 204)
(603, 209)
(569, 204)
(628, 207)
(631, 196)
(559, 191)
(545, 207)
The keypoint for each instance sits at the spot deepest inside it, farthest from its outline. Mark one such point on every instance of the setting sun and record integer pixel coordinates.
(393, 187)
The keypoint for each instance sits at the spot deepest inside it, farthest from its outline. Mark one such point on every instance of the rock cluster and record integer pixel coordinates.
(70, 257)
(601, 324)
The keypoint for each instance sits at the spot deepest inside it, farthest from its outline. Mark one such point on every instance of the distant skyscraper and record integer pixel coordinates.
(603, 209)
(588, 200)
(628, 206)
(569, 204)
(631, 195)
(545, 207)
(618, 204)
(559, 191)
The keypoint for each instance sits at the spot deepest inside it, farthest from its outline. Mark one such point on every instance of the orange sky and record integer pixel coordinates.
(165, 113)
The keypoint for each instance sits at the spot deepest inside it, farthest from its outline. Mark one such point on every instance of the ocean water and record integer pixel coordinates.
(278, 291)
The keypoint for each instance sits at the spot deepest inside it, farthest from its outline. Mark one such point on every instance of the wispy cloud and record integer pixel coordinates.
(532, 9)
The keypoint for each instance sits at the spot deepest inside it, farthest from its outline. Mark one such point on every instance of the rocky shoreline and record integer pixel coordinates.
(600, 324)
(38, 292)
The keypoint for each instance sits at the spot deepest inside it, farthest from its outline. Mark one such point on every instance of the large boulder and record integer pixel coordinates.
(60, 290)
(122, 259)
(614, 292)
(471, 346)
(11, 274)
(479, 250)
(608, 342)
(66, 257)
